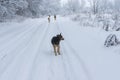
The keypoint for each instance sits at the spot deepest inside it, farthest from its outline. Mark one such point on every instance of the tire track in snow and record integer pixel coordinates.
(35, 67)
(10, 37)
(52, 64)
(71, 75)
(13, 41)
(38, 53)
(61, 59)
(5, 49)
(56, 67)
(75, 54)
(35, 52)
(66, 66)
(12, 59)
(56, 62)
(69, 68)
(49, 68)
(50, 71)
(10, 28)
(81, 62)
(12, 31)
(21, 52)
(15, 37)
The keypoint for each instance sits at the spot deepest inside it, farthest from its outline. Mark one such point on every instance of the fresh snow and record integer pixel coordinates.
(26, 52)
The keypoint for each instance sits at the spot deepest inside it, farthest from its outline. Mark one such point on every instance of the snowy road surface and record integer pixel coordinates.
(26, 52)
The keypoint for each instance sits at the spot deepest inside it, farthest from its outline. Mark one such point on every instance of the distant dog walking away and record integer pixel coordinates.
(49, 19)
(55, 17)
(56, 43)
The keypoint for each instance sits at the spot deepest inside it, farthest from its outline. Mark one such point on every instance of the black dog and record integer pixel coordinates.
(55, 42)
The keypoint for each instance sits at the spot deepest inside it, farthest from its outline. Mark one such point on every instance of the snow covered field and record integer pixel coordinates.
(26, 52)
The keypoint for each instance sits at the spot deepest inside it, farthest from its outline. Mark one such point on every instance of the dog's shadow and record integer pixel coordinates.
(48, 52)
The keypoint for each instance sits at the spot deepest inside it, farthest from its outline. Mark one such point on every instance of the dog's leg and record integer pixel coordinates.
(48, 20)
(58, 49)
(54, 46)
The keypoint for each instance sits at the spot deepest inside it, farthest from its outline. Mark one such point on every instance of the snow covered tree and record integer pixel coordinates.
(50, 6)
(104, 5)
(111, 40)
(94, 5)
(73, 6)
(12, 7)
(28, 8)
(117, 5)
(33, 7)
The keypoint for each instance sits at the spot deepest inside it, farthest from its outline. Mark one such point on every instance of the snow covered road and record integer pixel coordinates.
(26, 52)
